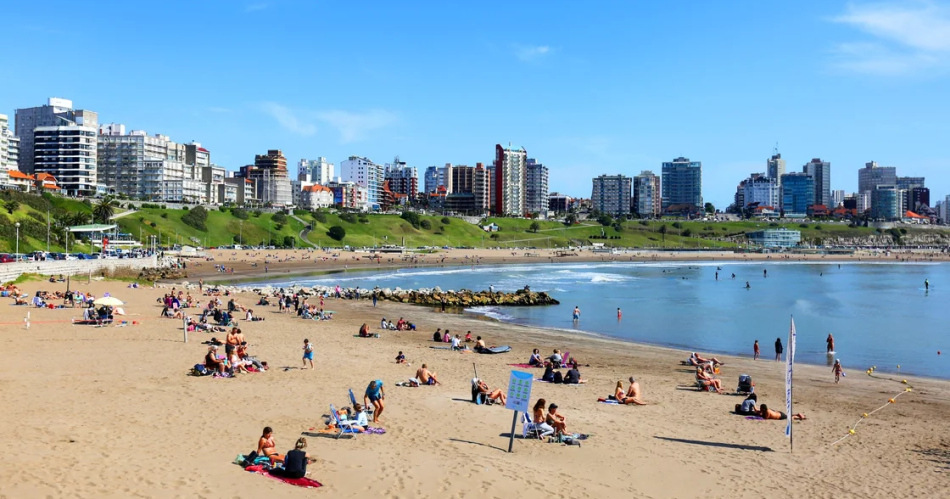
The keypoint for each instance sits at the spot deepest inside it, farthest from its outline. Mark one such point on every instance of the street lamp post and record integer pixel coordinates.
(17, 241)
(242, 232)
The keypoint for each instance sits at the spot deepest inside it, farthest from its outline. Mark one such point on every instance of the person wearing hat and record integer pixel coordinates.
(212, 362)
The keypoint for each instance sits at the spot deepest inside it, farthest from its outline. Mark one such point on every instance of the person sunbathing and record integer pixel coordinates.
(767, 413)
(633, 393)
(539, 418)
(20, 301)
(426, 377)
(747, 407)
(701, 360)
(495, 394)
(704, 380)
(267, 448)
(556, 420)
(479, 344)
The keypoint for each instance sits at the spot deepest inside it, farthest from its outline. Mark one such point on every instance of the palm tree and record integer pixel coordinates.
(104, 210)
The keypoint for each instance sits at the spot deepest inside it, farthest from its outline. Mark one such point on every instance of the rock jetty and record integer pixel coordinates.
(423, 296)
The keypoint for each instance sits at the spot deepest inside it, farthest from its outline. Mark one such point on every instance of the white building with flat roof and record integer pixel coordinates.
(318, 170)
(364, 172)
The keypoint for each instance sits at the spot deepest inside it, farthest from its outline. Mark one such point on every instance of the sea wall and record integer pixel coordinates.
(10, 271)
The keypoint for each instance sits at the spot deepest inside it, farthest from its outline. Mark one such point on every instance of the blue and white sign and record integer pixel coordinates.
(519, 391)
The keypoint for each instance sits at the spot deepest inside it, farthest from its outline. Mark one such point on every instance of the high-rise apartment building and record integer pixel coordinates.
(319, 171)
(821, 172)
(9, 146)
(775, 168)
(481, 188)
(647, 195)
(611, 194)
(367, 174)
(683, 184)
(270, 177)
(918, 197)
(403, 179)
(138, 165)
(68, 153)
(761, 189)
(837, 198)
(906, 186)
(872, 176)
(510, 178)
(536, 187)
(462, 181)
(56, 113)
(798, 193)
(886, 203)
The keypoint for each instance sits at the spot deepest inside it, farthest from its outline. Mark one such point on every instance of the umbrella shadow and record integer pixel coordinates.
(723, 445)
(476, 443)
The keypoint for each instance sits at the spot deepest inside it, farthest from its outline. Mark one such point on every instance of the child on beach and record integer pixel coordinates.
(307, 353)
(837, 370)
(400, 359)
(755, 350)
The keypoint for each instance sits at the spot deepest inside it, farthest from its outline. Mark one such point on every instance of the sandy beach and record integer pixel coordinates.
(112, 412)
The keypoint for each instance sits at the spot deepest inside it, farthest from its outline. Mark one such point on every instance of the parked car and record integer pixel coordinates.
(5, 258)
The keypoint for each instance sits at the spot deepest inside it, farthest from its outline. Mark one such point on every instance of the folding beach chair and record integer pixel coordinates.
(528, 426)
(342, 426)
(367, 409)
(565, 358)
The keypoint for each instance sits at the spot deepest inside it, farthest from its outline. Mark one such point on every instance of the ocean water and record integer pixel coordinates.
(879, 313)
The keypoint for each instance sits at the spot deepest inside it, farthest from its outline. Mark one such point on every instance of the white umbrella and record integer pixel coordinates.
(109, 301)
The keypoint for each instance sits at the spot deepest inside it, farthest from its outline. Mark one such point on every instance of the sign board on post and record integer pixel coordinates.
(519, 398)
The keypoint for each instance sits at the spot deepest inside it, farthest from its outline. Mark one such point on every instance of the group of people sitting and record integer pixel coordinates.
(631, 396)
(400, 325)
(236, 358)
(550, 421)
(747, 408)
(292, 464)
(553, 374)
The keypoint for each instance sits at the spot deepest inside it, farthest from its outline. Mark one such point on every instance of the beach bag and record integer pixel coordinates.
(558, 377)
(201, 370)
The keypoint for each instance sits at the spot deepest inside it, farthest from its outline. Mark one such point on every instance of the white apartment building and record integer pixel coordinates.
(510, 178)
(536, 187)
(68, 153)
(318, 170)
(367, 174)
(761, 189)
(9, 146)
(56, 113)
(138, 165)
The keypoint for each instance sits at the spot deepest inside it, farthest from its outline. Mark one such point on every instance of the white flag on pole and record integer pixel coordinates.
(789, 362)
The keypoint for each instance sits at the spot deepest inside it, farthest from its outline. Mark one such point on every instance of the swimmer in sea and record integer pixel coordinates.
(747, 286)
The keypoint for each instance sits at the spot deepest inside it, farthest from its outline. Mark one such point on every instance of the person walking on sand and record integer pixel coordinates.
(778, 349)
(837, 370)
(831, 343)
(374, 299)
(755, 350)
(577, 313)
(376, 396)
(307, 354)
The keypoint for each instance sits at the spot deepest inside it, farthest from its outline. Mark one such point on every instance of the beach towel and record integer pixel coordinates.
(528, 366)
(755, 418)
(304, 482)
(609, 402)
(442, 348)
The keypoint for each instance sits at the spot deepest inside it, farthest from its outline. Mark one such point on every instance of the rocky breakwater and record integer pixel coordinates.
(467, 298)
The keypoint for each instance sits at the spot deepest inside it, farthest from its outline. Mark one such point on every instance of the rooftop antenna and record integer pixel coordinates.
(775, 150)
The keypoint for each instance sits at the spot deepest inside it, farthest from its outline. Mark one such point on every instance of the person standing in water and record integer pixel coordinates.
(577, 313)
(778, 349)
(747, 286)
(755, 350)
(619, 314)
(765, 272)
(927, 284)
(831, 343)
(717, 275)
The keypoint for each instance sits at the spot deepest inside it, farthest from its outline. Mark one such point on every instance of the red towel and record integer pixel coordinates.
(305, 482)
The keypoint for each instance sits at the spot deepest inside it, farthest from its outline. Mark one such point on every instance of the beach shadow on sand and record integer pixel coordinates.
(477, 443)
(939, 456)
(715, 444)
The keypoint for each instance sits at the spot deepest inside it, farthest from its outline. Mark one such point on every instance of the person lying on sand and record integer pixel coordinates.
(706, 380)
(767, 413)
(425, 377)
(495, 394)
(701, 360)
(266, 446)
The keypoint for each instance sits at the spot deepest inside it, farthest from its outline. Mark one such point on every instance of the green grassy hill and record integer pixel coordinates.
(224, 227)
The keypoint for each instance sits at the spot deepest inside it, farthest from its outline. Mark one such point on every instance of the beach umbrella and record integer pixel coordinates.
(108, 301)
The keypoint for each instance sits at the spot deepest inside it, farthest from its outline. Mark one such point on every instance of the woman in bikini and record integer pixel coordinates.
(537, 415)
(705, 380)
(267, 447)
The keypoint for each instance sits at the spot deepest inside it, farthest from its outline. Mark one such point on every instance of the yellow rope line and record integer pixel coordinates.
(853, 430)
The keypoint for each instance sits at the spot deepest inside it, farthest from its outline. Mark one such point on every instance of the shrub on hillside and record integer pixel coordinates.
(196, 218)
(411, 217)
(320, 216)
(164, 215)
(446, 220)
(425, 224)
(258, 213)
(289, 241)
(279, 218)
(240, 213)
(349, 218)
(677, 225)
(337, 232)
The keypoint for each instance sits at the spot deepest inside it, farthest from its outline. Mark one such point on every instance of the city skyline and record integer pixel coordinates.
(381, 96)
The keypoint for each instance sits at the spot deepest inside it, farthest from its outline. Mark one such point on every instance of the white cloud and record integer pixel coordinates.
(352, 126)
(254, 7)
(531, 52)
(288, 119)
(908, 37)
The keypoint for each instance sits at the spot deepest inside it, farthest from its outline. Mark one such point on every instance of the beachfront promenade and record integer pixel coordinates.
(10, 271)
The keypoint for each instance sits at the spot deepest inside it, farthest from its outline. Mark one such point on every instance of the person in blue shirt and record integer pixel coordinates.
(375, 395)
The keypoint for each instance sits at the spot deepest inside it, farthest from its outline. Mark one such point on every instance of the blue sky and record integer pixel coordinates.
(618, 88)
